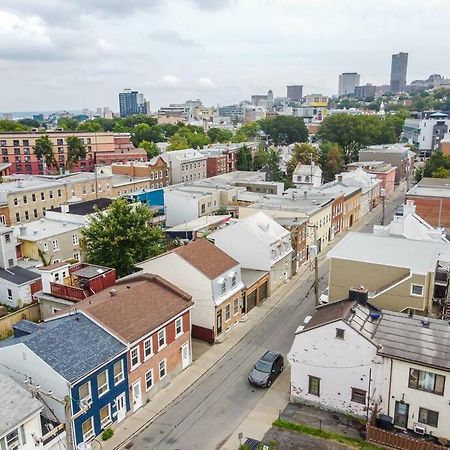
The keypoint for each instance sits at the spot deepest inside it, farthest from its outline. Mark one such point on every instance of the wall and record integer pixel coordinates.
(21, 295)
(430, 208)
(322, 220)
(179, 208)
(30, 312)
(320, 354)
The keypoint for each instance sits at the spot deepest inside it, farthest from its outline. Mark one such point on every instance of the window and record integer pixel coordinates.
(17, 217)
(45, 246)
(235, 306)
(27, 215)
(428, 417)
(35, 213)
(358, 396)
(59, 193)
(10, 262)
(16, 201)
(84, 393)
(134, 356)
(314, 386)
(14, 439)
(179, 327)
(223, 287)
(227, 312)
(56, 310)
(417, 289)
(233, 281)
(76, 256)
(426, 381)
(25, 199)
(149, 379)
(148, 348)
(7, 237)
(88, 429)
(55, 244)
(161, 338)
(50, 194)
(102, 383)
(75, 239)
(118, 372)
(105, 416)
(340, 333)
(162, 369)
(42, 195)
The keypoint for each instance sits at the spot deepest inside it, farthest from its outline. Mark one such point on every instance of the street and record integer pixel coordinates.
(205, 415)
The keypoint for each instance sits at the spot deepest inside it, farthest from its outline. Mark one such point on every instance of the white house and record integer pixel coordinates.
(259, 243)
(185, 165)
(211, 277)
(307, 175)
(349, 358)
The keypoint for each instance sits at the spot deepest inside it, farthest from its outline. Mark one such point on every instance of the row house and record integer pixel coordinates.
(354, 359)
(383, 171)
(185, 165)
(211, 277)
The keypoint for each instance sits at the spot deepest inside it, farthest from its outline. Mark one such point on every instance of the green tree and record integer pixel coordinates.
(284, 130)
(106, 124)
(90, 126)
(244, 159)
(29, 123)
(141, 132)
(68, 123)
(435, 163)
(260, 159)
(247, 132)
(11, 125)
(219, 135)
(43, 149)
(76, 150)
(150, 147)
(273, 162)
(302, 153)
(442, 172)
(177, 142)
(122, 236)
(331, 160)
(222, 210)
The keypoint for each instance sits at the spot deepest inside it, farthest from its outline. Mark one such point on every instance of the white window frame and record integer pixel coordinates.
(147, 388)
(412, 289)
(55, 247)
(227, 311)
(223, 288)
(178, 324)
(91, 434)
(163, 361)
(102, 393)
(163, 331)
(122, 373)
(86, 400)
(133, 366)
(236, 306)
(105, 422)
(45, 246)
(146, 357)
(75, 239)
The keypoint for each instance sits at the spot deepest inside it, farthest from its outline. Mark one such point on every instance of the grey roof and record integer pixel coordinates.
(251, 276)
(43, 229)
(18, 275)
(91, 271)
(88, 207)
(73, 346)
(406, 338)
(431, 187)
(17, 404)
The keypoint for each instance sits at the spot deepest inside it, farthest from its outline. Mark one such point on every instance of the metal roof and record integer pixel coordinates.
(17, 275)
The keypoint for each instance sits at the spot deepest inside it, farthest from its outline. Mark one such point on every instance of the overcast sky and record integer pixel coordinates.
(71, 54)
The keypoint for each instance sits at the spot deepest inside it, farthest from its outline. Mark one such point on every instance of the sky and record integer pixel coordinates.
(72, 54)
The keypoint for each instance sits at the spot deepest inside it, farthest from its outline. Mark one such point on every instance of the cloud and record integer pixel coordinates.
(170, 81)
(172, 38)
(211, 5)
(205, 83)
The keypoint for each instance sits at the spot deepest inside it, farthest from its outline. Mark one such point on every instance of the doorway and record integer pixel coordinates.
(121, 408)
(401, 414)
(185, 355)
(137, 395)
(219, 321)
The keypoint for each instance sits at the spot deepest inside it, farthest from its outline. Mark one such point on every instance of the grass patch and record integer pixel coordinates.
(328, 435)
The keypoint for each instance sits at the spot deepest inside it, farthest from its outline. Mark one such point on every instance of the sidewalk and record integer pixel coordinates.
(260, 419)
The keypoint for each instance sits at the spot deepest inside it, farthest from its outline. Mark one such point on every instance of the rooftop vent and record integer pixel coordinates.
(425, 322)
(113, 292)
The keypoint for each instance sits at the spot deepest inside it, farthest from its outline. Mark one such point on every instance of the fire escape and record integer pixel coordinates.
(441, 287)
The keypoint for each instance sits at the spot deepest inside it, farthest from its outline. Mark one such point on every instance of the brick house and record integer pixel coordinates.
(153, 318)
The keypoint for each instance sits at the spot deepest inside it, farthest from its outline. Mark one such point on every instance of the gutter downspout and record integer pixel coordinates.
(389, 392)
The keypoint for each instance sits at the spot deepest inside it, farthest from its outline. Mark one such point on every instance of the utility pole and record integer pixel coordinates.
(315, 250)
(383, 199)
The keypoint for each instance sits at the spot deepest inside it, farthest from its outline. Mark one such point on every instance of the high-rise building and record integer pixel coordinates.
(132, 102)
(294, 92)
(362, 92)
(347, 83)
(399, 67)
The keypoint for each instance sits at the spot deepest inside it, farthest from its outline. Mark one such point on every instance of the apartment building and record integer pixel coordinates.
(185, 165)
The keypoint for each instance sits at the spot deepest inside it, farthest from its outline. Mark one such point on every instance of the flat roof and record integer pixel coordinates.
(200, 222)
(43, 229)
(424, 190)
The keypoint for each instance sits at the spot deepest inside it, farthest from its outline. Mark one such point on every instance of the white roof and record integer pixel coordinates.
(199, 223)
(264, 227)
(44, 229)
(306, 169)
(359, 177)
(419, 256)
(182, 155)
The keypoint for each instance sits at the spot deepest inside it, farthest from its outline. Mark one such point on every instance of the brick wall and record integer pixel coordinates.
(430, 208)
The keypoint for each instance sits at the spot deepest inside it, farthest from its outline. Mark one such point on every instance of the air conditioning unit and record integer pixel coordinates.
(418, 429)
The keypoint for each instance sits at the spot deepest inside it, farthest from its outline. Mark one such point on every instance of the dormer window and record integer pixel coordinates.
(233, 280)
(223, 287)
(8, 237)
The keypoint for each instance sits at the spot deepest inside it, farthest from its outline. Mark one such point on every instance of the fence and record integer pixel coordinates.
(396, 440)
(30, 312)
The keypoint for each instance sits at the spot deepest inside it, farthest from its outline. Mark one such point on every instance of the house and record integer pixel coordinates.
(211, 277)
(64, 285)
(72, 357)
(307, 175)
(185, 165)
(354, 359)
(152, 317)
(17, 284)
(258, 243)
(383, 171)
(400, 274)
(200, 227)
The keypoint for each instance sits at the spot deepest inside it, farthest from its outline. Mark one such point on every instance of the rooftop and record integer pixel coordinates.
(431, 187)
(91, 271)
(182, 155)
(386, 148)
(18, 275)
(200, 223)
(17, 404)
(43, 229)
(307, 169)
(419, 256)
(85, 208)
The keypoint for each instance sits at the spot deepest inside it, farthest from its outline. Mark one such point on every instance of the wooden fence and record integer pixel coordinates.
(397, 440)
(30, 312)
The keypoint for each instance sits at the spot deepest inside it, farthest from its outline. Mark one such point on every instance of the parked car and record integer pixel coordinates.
(323, 299)
(266, 370)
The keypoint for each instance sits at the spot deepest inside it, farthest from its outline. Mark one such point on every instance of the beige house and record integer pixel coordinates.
(400, 274)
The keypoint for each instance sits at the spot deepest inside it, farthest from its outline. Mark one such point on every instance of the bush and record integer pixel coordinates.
(107, 434)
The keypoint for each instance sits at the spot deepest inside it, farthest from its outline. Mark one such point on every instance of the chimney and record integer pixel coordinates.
(397, 225)
(409, 208)
(65, 208)
(23, 230)
(339, 178)
(113, 292)
(358, 294)
(305, 194)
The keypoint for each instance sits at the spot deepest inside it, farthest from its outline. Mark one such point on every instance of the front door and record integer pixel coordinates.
(219, 321)
(121, 407)
(401, 414)
(185, 355)
(137, 395)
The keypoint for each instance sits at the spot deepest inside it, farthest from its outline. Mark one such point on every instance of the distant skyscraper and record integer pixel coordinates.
(294, 92)
(399, 67)
(347, 83)
(132, 102)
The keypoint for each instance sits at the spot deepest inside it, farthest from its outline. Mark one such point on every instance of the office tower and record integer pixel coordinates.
(399, 67)
(294, 92)
(132, 102)
(347, 83)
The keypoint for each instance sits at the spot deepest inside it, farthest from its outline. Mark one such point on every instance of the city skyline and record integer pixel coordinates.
(221, 52)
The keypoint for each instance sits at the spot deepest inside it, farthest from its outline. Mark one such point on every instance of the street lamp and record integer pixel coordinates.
(383, 198)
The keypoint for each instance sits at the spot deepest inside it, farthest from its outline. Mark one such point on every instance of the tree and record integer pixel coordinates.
(68, 123)
(11, 125)
(247, 132)
(76, 150)
(177, 142)
(260, 159)
(141, 132)
(122, 236)
(244, 159)
(435, 163)
(302, 153)
(331, 160)
(219, 135)
(275, 173)
(284, 130)
(441, 173)
(150, 147)
(222, 210)
(29, 123)
(89, 125)
(43, 149)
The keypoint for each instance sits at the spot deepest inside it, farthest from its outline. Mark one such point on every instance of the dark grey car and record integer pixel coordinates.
(266, 369)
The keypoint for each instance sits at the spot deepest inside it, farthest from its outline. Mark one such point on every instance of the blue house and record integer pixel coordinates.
(72, 357)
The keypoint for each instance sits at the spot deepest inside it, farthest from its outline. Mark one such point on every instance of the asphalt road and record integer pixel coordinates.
(205, 415)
